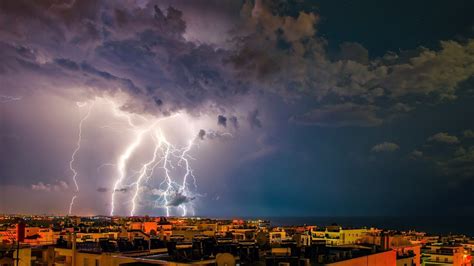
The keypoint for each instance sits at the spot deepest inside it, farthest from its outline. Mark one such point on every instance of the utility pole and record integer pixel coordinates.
(20, 236)
(74, 249)
(17, 252)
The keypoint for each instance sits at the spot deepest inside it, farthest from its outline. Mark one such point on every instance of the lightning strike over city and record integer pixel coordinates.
(163, 152)
(73, 156)
(173, 189)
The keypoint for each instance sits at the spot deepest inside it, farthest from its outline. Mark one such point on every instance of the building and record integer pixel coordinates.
(336, 235)
(350, 255)
(409, 255)
(385, 258)
(277, 235)
(10, 255)
(146, 227)
(455, 255)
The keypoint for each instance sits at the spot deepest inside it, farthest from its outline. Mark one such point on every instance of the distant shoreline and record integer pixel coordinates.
(435, 225)
(428, 224)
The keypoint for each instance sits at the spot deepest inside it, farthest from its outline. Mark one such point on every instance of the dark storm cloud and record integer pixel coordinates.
(177, 198)
(102, 190)
(95, 74)
(212, 134)
(118, 45)
(67, 64)
(201, 134)
(222, 120)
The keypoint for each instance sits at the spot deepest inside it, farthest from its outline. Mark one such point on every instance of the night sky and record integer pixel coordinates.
(287, 108)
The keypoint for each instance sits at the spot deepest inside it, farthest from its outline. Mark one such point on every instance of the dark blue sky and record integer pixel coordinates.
(331, 171)
(383, 26)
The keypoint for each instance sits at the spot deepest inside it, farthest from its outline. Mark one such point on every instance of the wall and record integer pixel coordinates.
(387, 258)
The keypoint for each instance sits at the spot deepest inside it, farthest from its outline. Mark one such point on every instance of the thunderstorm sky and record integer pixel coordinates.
(281, 108)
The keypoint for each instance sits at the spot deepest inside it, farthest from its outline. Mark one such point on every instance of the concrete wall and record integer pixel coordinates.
(387, 258)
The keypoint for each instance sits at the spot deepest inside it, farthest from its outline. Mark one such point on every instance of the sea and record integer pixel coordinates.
(432, 225)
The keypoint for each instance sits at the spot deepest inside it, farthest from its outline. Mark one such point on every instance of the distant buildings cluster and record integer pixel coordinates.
(110, 241)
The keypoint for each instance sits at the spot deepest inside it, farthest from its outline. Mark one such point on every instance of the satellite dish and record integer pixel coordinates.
(225, 259)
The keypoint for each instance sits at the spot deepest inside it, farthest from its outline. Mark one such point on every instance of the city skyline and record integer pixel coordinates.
(237, 108)
(74, 240)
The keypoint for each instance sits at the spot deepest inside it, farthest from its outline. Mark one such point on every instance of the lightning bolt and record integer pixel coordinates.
(167, 181)
(164, 153)
(73, 156)
(173, 193)
(122, 165)
(145, 172)
(72, 204)
(188, 173)
(173, 188)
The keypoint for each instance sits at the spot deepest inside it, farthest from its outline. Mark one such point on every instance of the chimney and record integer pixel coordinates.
(20, 231)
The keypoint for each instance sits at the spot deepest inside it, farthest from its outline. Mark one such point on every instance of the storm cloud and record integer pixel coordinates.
(177, 199)
(109, 46)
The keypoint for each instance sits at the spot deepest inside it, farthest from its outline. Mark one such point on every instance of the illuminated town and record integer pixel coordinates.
(236, 132)
(102, 240)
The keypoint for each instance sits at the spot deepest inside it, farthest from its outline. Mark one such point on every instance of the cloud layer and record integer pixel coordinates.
(110, 46)
(59, 186)
(453, 156)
